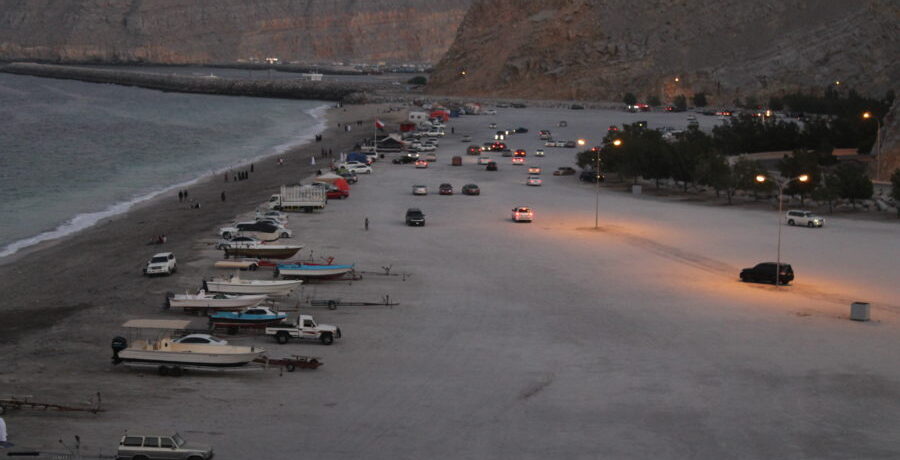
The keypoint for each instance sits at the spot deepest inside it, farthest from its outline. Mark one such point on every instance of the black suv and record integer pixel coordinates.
(765, 273)
(415, 216)
(589, 175)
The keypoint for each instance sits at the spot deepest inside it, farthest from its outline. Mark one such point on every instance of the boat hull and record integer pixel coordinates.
(190, 358)
(244, 322)
(273, 288)
(313, 271)
(282, 252)
(234, 303)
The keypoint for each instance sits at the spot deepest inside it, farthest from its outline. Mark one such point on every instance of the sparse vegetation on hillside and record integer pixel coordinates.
(699, 100)
(895, 189)
(417, 80)
(629, 99)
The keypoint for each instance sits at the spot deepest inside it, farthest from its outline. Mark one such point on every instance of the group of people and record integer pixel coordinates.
(182, 195)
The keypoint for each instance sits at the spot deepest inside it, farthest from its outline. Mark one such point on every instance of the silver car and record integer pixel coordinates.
(804, 218)
(164, 447)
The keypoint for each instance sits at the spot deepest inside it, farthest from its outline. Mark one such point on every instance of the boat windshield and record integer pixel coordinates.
(178, 439)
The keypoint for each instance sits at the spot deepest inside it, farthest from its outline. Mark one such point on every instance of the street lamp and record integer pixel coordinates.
(878, 142)
(781, 184)
(616, 143)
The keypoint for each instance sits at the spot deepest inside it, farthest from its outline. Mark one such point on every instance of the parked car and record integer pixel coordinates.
(154, 447)
(491, 166)
(466, 138)
(534, 181)
(569, 144)
(589, 175)
(419, 190)
(805, 218)
(359, 169)
(431, 157)
(521, 130)
(518, 161)
(350, 177)
(406, 159)
(415, 217)
(471, 189)
(445, 189)
(421, 164)
(534, 170)
(564, 171)
(545, 135)
(539, 152)
(304, 328)
(765, 273)
(163, 263)
(484, 160)
(522, 214)
(237, 241)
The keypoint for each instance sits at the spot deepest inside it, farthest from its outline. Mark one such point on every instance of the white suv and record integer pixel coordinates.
(161, 264)
(805, 218)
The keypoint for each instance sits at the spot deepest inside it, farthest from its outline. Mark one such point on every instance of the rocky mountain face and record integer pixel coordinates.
(221, 31)
(601, 49)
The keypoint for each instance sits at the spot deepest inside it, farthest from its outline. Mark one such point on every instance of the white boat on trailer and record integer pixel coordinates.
(213, 301)
(236, 285)
(167, 351)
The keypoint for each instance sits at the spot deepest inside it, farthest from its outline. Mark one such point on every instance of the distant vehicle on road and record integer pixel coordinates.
(419, 190)
(415, 217)
(466, 138)
(421, 164)
(521, 130)
(405, 159)
(765, 273)
(564, 171)
(471, 189)
(431, 157)
(473, 150)
(534, 181)
(518, 161)
(168, 446)
(539, 152)
(456, 161)
(534, 170)
(491, 166)
(804, 218)
(499, 147)
(519, 153)
(445, 189)
(522, 214)
(484, 160)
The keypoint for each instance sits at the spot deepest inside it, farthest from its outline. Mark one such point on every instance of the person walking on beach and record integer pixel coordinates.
(223, 196)
(251, 167)
(226, 177)
(185, 194)
(367, 224)
(180, 196)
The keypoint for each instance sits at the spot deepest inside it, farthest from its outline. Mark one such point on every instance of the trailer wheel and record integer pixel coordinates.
(327, 338)
(332, 305)
(282, 337)
(290, 367)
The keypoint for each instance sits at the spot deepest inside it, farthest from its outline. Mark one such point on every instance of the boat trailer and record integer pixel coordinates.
(332, 304)
(386, 271)
(25, 402)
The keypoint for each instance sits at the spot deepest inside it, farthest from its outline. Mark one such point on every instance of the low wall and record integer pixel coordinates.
(286, 89)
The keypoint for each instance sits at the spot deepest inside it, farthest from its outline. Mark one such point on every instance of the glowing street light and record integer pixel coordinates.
(878, 141)
(617, 142)
(781, 184)
(581, 142)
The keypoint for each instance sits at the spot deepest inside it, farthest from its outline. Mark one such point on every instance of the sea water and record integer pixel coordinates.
(72, 153)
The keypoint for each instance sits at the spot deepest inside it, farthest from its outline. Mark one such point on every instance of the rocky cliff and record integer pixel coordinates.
(600, 49)
(218, 31)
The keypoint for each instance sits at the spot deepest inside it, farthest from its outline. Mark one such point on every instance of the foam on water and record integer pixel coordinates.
(123, 195)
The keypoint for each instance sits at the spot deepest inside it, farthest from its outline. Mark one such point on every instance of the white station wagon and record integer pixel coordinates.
(804, 218)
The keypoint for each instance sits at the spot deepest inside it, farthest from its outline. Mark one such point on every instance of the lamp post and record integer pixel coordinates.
(867, 116)
(781, 184)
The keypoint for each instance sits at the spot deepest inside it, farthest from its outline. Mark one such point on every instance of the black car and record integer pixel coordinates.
(570, 144)
(415, 217)
(405, 159)
(521, 130)
(765, 273)
(492, 166)
(589, 175)
(471, 189)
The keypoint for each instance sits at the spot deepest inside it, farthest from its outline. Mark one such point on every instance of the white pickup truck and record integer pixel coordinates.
(303, 328)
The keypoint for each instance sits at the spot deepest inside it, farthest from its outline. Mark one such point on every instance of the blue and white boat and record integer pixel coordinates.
(250, 317)
(312, 270)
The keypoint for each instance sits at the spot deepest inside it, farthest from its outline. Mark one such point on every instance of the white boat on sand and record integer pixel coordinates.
(236, 285)
(217, 301)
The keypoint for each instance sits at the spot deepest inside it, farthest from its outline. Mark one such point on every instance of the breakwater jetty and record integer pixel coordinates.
(349, 92)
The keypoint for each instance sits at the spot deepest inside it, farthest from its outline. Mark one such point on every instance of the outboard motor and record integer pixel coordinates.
(118, 344)
(168, 303)
(205, 288)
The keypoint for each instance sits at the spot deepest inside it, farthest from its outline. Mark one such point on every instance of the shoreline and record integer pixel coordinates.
(87, 271)
(71, 226)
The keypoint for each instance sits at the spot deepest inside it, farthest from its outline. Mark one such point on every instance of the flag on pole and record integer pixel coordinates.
(379, 124)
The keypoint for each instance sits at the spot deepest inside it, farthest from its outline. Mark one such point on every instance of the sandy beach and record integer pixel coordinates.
(510, 340)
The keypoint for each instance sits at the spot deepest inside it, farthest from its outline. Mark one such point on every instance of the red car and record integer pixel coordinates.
(445, 189)
(498, 147)
(519, 153)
